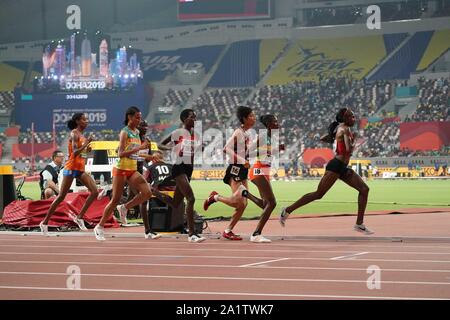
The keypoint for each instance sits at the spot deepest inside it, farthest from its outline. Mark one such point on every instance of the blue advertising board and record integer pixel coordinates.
(105, 110)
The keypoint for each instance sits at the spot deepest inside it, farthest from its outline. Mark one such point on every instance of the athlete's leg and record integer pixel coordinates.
(354, 180)
(117, 189)
(65, 187)
(265, 189)
(240, 203)
(90, 184)
(325, 184)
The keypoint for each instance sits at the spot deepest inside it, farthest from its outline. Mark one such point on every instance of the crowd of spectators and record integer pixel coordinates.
(305, 109)
(6, 100)
(176, 99)
(434, 103)
(216, 107)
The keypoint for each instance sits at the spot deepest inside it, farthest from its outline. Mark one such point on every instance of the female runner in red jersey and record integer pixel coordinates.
(74, 168)
(337, 168)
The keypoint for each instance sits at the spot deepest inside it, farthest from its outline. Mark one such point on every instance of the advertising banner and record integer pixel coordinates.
(105, 110)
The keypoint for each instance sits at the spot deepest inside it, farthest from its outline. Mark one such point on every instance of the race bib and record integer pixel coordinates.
(187, 147)
(134, 156)
(235, 170)
(142, 154)
(257, 172)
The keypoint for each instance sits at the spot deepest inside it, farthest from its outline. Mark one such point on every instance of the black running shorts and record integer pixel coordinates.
(237, 172)
(337, 166)
(182, 168)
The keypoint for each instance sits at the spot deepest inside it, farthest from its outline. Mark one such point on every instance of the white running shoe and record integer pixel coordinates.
(102, 193)
(99, 233)
(196, 238)
(79, 222)
(44, 228)
(259, 239)
(123, 213)
(283, 216)
(152, 235)
(363, 229)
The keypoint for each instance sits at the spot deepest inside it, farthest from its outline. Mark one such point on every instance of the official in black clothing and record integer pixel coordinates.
(49, 176)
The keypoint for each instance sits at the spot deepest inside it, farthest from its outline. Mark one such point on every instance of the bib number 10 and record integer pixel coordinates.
(162, 170)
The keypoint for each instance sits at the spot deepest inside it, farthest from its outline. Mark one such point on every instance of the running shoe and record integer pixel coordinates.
(122, 213)
(196, 238)
(44, 228)
(99, 233)
(152, 235)
(283, 216)
(79, 222)
(209, 201)
(102, 193)
(363, 229)
(259, 239)
(231, 236)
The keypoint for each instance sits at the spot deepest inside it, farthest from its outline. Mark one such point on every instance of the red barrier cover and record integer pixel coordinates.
(30, 213)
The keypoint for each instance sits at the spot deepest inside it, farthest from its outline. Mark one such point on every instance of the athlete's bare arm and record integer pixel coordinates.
(74, 138)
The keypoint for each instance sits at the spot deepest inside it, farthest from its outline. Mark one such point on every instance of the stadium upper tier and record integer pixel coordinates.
(279, 60)
(312, 60)
(12, 72)
(406, 59)
(157, 65)
(437, 46)
(246, 61)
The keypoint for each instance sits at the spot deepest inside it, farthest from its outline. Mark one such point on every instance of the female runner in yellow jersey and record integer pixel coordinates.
(125, 170)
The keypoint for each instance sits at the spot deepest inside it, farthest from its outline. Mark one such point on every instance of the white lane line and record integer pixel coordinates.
(269, 294)
(202, 249)
(264, 262)
(222, 245)
(349, 256)
(218, 278)
(177, 265)
(202, 257)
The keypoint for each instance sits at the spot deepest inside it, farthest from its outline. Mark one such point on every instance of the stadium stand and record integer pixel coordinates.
(6, 100)
(215, 107)
(406, 59)
(177, 98)
(381, 139)
(304, 107)
(438, 45)
(157, 65)
(239, 67)
(392, 41)
(12, 72)
(269, 51)
(434, 104)
(368, 98)
(312, 60)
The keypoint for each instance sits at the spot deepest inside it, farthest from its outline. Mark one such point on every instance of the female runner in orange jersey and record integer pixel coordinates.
(74, 169)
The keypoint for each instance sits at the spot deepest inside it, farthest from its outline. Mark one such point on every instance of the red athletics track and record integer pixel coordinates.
(129, 267)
